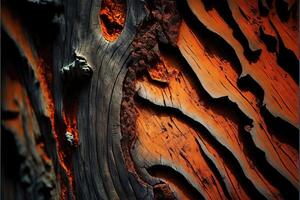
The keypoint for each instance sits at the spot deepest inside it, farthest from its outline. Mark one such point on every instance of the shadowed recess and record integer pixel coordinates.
(174, 177)
(112, 18)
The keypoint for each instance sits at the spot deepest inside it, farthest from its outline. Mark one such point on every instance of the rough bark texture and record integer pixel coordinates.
(150, 99)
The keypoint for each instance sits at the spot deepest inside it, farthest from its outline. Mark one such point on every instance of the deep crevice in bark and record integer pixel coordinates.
(169, 174)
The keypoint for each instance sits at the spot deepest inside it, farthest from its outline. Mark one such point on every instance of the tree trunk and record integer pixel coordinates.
(156, 99)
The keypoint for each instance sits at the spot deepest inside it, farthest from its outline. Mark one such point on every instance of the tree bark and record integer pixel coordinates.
(156, 99)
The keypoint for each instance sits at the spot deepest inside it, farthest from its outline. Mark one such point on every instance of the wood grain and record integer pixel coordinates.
(165, 99)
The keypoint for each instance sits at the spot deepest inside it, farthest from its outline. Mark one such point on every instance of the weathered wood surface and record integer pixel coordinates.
(158, 99)
(96, 164)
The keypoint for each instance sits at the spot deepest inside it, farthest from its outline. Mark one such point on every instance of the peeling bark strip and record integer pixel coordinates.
(154, 99)
(166, 77)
